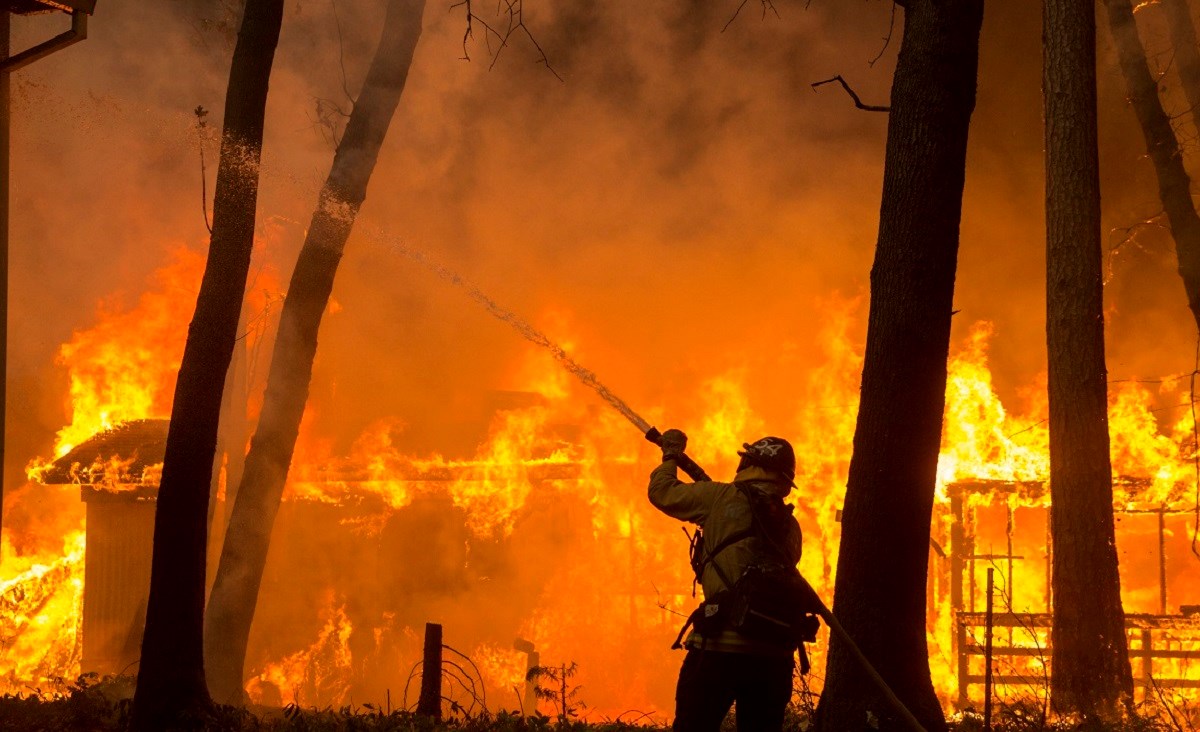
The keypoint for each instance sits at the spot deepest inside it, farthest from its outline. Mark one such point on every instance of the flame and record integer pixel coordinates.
(124, 367)
(979, 439)
(317, 675)
(40, 614)
(558, 544)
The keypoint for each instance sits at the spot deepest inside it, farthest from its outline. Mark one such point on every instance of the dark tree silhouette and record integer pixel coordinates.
(1174, 184)
(244, 554)
(1186, 51)
(883, 559)
(1090, 656)
(171, 691)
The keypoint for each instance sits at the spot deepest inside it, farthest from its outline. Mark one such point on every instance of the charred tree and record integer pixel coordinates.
(883, 559)
(171, 691)
(1174, 185)
(1090, 657)
(244, 554)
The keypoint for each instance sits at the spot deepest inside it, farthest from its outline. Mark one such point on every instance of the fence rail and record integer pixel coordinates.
(1147, 631)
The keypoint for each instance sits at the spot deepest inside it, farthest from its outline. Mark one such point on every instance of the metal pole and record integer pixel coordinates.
(987, 658)
(77, 33)
(5, 27)
(8, 64)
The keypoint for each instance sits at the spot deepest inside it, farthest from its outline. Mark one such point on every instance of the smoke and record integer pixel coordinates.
(523, 327)
(682, 212)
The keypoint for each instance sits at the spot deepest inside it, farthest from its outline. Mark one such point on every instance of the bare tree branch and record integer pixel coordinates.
(514, 23)
(341, 54)
(857, 102)
(767, 5)
(887, 40)
(1129, 235)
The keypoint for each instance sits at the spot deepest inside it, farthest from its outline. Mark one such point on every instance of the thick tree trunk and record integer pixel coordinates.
(1090, 662)
(244, 554)
(882, 562)
(170, 686)
(1174, 185)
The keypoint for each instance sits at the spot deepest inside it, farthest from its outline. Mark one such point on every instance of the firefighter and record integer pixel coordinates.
(743, 525)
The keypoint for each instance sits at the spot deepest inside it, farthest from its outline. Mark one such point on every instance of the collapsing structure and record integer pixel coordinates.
(358, 561)
(1005, 526)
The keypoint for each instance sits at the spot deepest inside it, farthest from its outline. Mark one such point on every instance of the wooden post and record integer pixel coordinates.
(1162, 559)
(532, 661)
(1147, 663)
(957, 568)
(987, 659)
(430, 703)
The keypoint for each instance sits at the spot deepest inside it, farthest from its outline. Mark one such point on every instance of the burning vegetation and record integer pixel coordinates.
(543, 533)
(424, 466)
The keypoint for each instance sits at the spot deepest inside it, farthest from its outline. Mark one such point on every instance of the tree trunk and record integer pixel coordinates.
(1187, 53)
(883, 559)
(1174, 185)
(244, 554)
(171, 691)
(1090, 660)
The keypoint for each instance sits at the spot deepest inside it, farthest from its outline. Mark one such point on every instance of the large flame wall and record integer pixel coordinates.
(682, 211)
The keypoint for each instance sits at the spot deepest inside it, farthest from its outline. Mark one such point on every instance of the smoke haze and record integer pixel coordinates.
(681, 206)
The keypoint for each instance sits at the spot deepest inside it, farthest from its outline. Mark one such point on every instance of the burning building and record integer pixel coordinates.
(543, 533)
(498, 522)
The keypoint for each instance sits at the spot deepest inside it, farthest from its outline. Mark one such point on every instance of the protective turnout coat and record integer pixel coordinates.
(721, 510)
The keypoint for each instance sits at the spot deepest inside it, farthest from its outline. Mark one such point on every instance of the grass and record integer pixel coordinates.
(104, 705)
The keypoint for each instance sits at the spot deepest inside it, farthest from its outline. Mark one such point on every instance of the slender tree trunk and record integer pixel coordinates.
(883, 559)
(244, 554)
(1174, 185)
(171, 691)
(1090, 661)
(1187, 53)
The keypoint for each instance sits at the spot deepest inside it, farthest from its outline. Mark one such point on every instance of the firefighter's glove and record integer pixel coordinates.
(673, 443)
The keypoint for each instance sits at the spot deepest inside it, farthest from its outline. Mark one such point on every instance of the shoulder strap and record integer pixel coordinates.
(758, 524)
(756, 528)
(710, 555)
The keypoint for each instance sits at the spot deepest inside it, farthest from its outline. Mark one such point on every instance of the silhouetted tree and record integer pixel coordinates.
(1090, 658)
(1174, 184)
(244, 554)
(883, 559)
(171, 690)
(1186, 52)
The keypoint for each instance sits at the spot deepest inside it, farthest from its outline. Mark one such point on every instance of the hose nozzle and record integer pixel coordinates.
(685, 463)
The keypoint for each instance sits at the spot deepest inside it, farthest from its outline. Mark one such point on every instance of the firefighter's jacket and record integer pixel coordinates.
(721, 511)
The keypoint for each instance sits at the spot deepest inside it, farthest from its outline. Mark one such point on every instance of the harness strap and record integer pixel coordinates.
(757, 527)
(727, 542)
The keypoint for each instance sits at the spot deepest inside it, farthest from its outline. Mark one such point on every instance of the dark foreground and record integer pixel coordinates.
(105, 706)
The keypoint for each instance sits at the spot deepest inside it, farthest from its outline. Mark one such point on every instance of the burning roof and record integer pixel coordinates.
(127, 453)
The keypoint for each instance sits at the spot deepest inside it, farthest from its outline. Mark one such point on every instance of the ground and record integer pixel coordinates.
(103, 706)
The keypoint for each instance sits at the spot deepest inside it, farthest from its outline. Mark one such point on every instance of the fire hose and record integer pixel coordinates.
(696, 473)
(685, 463)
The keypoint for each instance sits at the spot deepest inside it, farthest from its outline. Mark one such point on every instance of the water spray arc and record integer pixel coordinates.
(651, 433)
